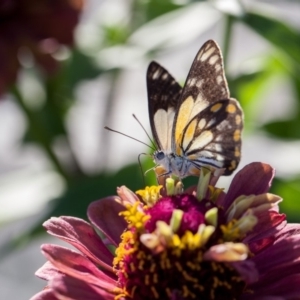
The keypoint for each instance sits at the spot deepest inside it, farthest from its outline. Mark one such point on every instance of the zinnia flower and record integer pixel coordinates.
(38, 26)
(170, 244)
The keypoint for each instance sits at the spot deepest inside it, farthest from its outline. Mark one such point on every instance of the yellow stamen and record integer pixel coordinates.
(150, 195)
(134, 217)
(214, 193)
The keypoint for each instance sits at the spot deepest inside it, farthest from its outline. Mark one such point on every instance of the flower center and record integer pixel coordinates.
(179, 274)
(156, 261)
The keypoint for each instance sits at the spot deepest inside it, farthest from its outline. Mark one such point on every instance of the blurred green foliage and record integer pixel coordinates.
(47, 122)
(289, 190)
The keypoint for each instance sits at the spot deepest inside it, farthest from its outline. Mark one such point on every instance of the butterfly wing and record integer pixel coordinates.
(208, 124)
(163, 96)
(213, 137)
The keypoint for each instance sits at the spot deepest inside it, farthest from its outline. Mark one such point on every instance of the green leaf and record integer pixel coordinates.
(255, 84)
(115, 34)
(287, 130)
(278, 33)
(290, 192)
(80, 67)
(296, 85)
(250, 89)
(156, 8)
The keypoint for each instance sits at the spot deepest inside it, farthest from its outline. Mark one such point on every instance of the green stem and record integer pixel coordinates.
(52, 86)
(39, 133)
(227, 35)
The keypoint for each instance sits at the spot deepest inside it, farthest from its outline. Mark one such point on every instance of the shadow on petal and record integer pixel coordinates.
(104, 214)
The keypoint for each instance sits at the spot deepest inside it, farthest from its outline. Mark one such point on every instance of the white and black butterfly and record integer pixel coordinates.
(197, 125)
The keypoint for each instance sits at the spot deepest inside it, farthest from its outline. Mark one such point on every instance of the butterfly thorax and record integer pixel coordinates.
(180, 166)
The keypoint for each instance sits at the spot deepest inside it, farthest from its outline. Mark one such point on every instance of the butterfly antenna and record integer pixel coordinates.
(145, 131)
(107, 128)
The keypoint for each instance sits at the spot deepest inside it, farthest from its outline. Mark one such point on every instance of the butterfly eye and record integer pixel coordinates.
(160, 155)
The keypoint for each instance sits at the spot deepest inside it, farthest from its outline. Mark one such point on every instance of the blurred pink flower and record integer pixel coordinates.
(36, 26)
(204, 244)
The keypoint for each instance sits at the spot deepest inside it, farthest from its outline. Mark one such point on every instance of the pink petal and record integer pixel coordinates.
(264, 233)
(82, 236)
(289, 230)
(76, 265)
(277, 274)
(284, 252)
(257, 242)
(253, 179)
(287, 287)
(47, 271)
(126, 196)
(104, 214)
(267, 220)
(257, 297)
(247, 270)
(46, 294)
(69, 288)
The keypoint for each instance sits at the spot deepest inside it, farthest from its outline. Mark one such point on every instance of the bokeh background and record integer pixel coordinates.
(70, 67)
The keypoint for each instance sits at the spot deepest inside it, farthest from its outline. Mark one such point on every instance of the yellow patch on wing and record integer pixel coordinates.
(183, 117)
(189, 134)
(200, 104)
(238, 119)
(237, 135)
(237, 152)
(231, 108)
(216, 107)
(232, 165)
(178, 150)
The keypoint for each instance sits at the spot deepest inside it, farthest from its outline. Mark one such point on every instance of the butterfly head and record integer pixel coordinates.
(161, 159)
(159, 156)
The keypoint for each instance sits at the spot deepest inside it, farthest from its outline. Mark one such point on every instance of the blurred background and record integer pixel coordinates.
(70, 67)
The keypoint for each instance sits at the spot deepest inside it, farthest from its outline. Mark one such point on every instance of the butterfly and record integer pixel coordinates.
(198, 125)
